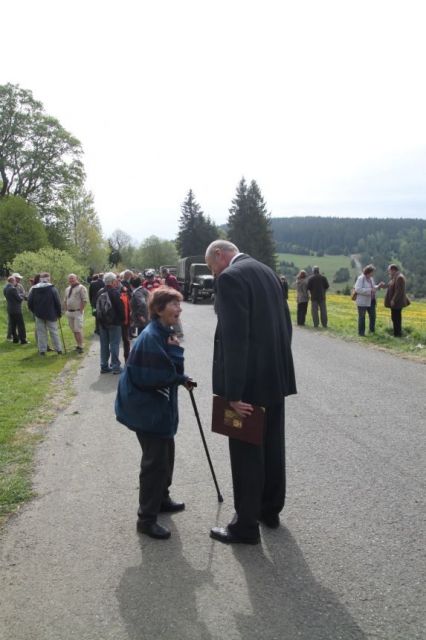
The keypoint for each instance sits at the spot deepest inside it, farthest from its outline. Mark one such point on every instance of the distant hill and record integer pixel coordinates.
(377, 240)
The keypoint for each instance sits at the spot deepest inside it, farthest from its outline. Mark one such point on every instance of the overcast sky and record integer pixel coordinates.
(323, 103)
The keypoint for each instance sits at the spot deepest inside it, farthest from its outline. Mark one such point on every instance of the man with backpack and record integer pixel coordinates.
(110, 314)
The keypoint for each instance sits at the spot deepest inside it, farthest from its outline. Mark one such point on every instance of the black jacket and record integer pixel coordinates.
(317, 285)
(94, 287)
(14, 298)
(44, 301)
(252, 353)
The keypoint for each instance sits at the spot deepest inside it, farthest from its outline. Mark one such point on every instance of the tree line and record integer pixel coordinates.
(377, 240)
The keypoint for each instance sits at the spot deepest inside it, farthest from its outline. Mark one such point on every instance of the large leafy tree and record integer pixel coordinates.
(82, 228)
(196, 230)
(58, 263)
(121, 249)
(155, 252)
(38, 157)
(20, 229)
(249, 223)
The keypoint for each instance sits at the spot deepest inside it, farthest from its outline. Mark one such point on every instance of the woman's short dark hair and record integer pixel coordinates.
(368, 269)
(136, 282)
(161, 297)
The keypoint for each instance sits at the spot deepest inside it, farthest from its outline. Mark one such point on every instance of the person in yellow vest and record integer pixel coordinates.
(75, 299)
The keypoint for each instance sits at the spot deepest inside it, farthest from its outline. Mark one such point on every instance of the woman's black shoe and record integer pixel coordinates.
(170, 506)
(153, 530)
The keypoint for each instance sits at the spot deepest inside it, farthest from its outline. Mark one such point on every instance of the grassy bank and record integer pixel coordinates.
(328, 266)
(343, 321)
(31, 390)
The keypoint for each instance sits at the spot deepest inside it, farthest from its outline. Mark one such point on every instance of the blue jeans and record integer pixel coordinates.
(371, 315)
(110, 338)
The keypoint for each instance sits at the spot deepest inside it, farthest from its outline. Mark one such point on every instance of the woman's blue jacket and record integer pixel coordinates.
(147, 390)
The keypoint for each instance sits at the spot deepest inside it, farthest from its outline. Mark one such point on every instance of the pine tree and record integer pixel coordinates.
(249, 224)
(196, 230)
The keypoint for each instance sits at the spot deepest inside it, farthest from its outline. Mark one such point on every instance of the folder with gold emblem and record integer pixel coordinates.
(227, 422)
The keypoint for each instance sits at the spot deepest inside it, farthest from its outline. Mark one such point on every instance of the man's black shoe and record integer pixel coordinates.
(224, 535)
(153, 530)
(170, 506)
(271, 520)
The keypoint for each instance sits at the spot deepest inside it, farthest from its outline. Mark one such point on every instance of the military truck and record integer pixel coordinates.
(171, 268)
(201, 284)
(190, 281)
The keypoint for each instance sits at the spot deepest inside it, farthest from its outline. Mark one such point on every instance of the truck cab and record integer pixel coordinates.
(201, 282)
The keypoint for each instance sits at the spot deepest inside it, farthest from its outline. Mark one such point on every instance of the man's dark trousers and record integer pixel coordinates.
(258, 474)
(396, 316)
(17, 327)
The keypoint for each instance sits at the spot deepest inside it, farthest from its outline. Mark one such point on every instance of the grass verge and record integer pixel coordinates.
(32, 389)
(343, 322)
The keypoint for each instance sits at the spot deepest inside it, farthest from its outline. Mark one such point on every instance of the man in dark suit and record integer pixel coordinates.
(252, 365)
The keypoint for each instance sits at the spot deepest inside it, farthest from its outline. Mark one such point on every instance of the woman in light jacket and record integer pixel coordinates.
(366, 289)
(302, 296)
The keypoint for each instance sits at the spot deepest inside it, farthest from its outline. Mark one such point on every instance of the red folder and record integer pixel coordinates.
(227, 422)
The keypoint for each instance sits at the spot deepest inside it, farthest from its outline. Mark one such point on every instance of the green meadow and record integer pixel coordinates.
(32, 389)
(343, 322)
(328, 266)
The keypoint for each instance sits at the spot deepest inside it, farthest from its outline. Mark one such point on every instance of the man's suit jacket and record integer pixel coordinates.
(252, 353)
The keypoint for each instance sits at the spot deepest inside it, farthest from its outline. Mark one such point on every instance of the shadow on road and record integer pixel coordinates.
(269, 592)
(287, 602)
(157, 598)
(105, 383)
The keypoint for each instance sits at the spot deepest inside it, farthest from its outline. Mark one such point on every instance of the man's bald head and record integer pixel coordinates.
(219, 254)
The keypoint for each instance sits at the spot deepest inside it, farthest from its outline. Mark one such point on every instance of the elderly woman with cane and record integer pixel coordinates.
(147, 403)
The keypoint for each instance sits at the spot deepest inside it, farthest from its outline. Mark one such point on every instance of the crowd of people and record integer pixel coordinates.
(313, 288)
(129, 294)
(146, 309)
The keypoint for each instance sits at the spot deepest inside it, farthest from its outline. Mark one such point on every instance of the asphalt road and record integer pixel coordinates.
(347, 563)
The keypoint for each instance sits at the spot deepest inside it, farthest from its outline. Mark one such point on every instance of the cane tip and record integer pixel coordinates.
(220, 497)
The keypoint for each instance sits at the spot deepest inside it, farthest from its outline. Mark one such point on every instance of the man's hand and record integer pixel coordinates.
(242, 408)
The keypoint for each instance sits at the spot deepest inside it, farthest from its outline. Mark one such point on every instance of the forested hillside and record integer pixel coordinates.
(376, 240)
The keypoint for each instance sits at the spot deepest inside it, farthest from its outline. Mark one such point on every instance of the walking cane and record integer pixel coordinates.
(219, 495)
(62, 335)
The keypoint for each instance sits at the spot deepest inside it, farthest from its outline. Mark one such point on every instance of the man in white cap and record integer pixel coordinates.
(18, 285)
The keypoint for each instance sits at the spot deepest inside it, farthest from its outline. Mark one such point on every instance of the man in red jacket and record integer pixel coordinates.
(151, 282)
